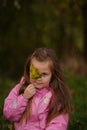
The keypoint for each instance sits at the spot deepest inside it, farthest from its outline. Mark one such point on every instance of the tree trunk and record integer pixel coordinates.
(84, 16)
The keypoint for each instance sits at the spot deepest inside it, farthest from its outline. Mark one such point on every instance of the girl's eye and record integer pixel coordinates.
(44, 74)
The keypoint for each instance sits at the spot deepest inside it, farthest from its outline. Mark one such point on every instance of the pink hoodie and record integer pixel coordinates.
(15, 105)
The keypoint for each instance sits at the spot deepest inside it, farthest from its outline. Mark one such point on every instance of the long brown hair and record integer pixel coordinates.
(61, 98)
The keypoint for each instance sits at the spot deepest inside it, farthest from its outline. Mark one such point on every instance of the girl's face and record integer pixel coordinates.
(44, 68)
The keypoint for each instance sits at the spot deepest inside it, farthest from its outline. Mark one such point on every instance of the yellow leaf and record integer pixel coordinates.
(34, 72)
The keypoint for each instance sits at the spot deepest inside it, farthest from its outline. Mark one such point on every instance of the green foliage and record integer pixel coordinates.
(77, 86)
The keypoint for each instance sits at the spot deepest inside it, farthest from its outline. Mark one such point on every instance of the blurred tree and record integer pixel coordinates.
(83, 8)
(26, 25)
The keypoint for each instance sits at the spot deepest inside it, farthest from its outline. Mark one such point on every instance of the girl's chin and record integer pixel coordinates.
(38, 87)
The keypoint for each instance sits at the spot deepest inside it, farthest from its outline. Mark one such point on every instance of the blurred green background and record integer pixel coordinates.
(60, 24)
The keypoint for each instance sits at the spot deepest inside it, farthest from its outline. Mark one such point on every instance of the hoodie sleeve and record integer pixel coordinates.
(58, 123)
(14, 104)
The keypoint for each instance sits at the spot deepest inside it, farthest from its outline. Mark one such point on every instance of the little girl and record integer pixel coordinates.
(40, 101)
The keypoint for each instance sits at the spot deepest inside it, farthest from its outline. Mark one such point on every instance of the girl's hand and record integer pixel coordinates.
(29, 91)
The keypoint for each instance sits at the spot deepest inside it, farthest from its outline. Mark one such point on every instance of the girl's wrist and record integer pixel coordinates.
(25, 96)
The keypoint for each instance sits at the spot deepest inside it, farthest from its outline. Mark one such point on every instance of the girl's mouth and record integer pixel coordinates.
(39, 83)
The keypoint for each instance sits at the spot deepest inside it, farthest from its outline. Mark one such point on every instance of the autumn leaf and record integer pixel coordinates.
(34, 73)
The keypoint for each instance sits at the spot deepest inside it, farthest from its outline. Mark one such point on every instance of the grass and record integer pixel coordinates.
(78, 91)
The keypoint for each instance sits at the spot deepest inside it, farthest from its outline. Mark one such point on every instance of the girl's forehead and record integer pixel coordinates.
(43, 64)
(34, 60)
